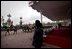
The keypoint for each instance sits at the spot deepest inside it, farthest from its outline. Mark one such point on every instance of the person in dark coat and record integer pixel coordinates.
(59, 25)
(38, 35)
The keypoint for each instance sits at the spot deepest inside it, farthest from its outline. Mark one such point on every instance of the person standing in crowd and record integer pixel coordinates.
(38, 35)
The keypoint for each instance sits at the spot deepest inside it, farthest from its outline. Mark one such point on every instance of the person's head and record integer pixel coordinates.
(37, 23)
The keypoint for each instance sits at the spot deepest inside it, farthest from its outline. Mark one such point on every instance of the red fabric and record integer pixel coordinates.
(62, 32)
(59, 38)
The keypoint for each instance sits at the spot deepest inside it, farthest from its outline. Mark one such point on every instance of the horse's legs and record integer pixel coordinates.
(5, 33)
(8, 33)
(28, 29)
(31, 30)
(25, 30)
(14, 32)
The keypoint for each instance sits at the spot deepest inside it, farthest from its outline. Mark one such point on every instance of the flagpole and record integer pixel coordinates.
(41, 17)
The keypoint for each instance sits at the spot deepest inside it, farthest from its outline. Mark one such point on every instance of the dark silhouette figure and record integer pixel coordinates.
(59, 25)
(38, 35)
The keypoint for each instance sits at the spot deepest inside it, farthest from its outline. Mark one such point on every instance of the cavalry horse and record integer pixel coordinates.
(11, 28)
(26, 28)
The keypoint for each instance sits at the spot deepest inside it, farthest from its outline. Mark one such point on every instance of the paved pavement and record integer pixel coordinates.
(19, 40)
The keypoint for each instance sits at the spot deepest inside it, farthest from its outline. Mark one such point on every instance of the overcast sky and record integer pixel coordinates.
(19, 9)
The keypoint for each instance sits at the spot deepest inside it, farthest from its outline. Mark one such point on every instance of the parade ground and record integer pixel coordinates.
(20, 40)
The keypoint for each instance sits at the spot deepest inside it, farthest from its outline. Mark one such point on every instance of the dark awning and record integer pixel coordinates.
(54, 10)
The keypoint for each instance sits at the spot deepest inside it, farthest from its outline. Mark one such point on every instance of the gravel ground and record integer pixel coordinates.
(20, 40)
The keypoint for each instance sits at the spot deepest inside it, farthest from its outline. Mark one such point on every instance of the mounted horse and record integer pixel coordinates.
(11, 28)
(26, 28)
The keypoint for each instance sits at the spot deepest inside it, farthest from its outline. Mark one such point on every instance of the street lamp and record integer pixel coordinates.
(9, 21)
(20, 17)
(20, 21)
(9, 16)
